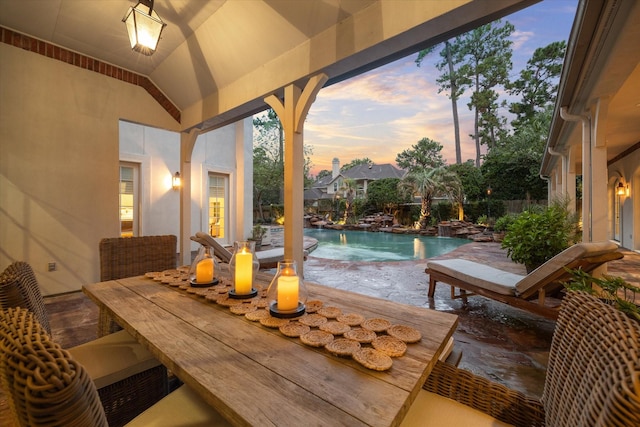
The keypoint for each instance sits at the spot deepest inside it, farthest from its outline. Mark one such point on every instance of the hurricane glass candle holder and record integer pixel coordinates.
(287, 293)
(203, 269)
(243, 267)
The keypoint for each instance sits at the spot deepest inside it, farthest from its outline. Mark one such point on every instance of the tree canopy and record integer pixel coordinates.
(424, 154)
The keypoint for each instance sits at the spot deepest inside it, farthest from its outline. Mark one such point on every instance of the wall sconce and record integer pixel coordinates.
(620, 190)
(144, 27)
(176, 182)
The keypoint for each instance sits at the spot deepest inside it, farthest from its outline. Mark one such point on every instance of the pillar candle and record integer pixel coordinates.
(287, 293)
(244, 272)
(204, 271)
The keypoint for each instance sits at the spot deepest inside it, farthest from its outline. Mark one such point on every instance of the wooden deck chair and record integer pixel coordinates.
(530, 292)
(48, 386)
(128, 378)
(268, 258)
(591, 379)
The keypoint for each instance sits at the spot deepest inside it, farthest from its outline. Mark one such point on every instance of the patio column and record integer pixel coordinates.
(187, 142)
(570, 178)
(599, 175)
(292, 112)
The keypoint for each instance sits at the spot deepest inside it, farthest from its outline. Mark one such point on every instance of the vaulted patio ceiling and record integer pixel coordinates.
(218, 59)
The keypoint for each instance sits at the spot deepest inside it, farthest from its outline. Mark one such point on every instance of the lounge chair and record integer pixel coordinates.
(268, 258)
(530, 292)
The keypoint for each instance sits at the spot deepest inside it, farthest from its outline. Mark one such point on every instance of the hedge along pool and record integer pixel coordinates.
(347, 245)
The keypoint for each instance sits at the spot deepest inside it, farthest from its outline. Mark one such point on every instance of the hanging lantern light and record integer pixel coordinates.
(144, 27)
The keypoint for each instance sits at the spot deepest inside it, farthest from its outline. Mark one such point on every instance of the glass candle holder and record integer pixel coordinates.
(287, 293)
(203, 269)
(243, 267)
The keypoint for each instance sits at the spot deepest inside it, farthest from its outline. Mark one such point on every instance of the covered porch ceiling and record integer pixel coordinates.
(218, 59)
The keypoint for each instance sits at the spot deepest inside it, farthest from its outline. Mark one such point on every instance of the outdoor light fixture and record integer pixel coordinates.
(176, 182)
(144, 27)
(620, 191)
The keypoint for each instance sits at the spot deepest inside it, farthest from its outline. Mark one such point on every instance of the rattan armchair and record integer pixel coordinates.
(128, 378)
(46, 386)
(133, 256)
(593, 376)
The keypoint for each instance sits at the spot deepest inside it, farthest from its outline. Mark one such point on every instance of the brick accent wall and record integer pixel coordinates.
(72, 58)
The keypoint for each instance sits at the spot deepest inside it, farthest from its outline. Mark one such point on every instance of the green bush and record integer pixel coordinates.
(502, 224)
(539, 234)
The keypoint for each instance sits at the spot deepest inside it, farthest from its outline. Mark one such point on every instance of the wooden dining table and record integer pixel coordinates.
(255, 375)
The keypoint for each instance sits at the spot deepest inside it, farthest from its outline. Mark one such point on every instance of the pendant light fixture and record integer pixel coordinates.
(144, 27)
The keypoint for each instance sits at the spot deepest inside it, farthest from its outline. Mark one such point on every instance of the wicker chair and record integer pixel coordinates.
(593, 378)
(128, 378)
(46, 386)
(133, 256)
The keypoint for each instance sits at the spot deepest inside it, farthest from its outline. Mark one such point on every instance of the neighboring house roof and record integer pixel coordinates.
(362, 172)
(373, 172)
(314, 194)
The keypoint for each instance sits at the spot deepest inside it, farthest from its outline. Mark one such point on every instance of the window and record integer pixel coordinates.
(129, 173)
(218, 196)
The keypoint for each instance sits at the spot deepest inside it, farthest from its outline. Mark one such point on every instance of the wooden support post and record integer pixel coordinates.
(292, 112)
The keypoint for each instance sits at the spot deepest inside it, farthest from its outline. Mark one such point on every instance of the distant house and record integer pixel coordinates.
(330, 187)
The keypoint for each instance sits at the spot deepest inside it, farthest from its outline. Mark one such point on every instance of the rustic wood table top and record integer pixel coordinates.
(255, 375)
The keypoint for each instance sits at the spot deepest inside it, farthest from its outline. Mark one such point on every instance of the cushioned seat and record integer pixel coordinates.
(112, 358)
(181, 408)
(490, 278)
(528, 292)
(432, 410)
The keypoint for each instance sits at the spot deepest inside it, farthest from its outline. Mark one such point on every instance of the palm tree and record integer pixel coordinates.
(349, 188)
(428, 183)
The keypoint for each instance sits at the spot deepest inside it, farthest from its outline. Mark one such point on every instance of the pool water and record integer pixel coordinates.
(379, 246)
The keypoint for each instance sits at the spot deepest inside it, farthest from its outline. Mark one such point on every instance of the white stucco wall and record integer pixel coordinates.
(59, 156)
(628, 169)
(157, 152)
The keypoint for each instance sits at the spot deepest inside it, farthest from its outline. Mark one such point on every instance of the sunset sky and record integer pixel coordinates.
(385, 111)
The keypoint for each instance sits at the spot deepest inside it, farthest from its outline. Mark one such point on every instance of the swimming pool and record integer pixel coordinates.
(379, 246)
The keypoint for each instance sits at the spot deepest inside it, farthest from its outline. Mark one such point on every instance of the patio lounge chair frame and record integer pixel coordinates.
(529, 292)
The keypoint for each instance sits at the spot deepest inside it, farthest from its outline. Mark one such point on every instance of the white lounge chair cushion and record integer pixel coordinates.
(430, 409)
(558, 262)
(182, 407)
(113, 357)
(480, 275)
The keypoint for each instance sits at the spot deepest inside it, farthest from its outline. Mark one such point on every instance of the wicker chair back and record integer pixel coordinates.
(593, 376)
(132, 256)
(46, 386)
(19, 288)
